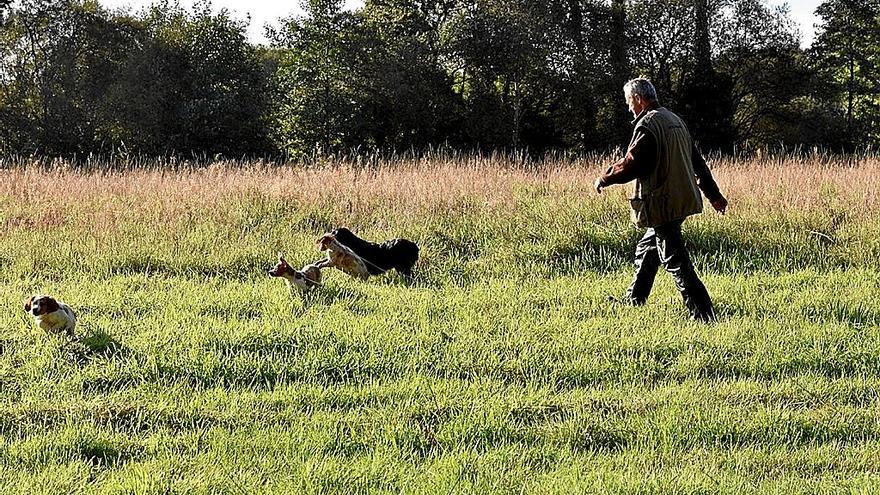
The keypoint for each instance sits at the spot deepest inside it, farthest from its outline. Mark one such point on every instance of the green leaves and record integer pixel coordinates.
(847, 50)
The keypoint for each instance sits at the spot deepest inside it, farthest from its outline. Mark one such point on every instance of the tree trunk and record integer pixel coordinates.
(619, 61)
(850, 90)
(702, 46)
(620, 70)
(575, 28)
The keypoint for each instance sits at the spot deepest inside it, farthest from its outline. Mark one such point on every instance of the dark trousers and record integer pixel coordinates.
(663, 245)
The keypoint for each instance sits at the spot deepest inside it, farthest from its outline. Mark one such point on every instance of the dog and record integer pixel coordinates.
(305, 280)
(399, 254)
(341, 257)
(51, 315)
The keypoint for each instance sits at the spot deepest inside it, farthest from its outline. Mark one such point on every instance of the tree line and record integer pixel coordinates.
(478, 75)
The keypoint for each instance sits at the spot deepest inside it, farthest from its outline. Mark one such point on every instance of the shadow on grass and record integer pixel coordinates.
(274, 365)
(717, 250)
(327, 295)
(856, 316)
(788, 429)
(245, 266)
(6, 346)
(105, 385)
(104, 454)
(852, 315)
(99, 345)
(589, 253)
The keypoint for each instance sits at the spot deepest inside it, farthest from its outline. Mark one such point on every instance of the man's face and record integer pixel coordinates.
(635, 104)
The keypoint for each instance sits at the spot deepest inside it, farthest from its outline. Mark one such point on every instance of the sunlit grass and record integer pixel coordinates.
(500, 369)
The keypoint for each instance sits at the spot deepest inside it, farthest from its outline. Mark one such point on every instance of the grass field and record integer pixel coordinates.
(500, 369)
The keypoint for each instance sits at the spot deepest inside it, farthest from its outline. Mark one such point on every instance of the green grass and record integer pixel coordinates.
(501, 369)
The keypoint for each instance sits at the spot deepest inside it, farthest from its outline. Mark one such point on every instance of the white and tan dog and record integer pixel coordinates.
(51, 315)
(341, 257)
(304, 280)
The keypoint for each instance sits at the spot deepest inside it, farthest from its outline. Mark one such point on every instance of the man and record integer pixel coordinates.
(668, 169)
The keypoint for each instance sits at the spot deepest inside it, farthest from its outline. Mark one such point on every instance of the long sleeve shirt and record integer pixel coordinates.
(641, 158)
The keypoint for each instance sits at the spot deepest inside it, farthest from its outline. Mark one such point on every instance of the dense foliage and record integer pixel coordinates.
(417, 74)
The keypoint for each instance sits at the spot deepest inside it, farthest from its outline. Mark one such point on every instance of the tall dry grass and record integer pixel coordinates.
(471, 214)
(408, 186)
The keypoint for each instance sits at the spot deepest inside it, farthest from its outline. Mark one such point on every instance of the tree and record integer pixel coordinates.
(847, 51)
(700, 54)
(706, 95)
(317, 106)
(408, 94)
(78, 78)
(401, 74)
(620, 70)
(774, 87)
(497, 49)
(198, 82)
(662, 43)
(60, 60)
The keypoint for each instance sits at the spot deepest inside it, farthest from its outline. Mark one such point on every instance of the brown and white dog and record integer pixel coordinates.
(51, 315)
(341, 257)
(304, 280)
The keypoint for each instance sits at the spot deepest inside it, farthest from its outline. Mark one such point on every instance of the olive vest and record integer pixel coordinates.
(670, 191)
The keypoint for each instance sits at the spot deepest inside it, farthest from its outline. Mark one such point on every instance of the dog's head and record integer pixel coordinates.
(41, 305)
(281, 269)
(325, 242)
(284, 270)
(343, 235)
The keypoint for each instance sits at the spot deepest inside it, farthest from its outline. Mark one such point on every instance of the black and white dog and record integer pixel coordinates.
(399, 254)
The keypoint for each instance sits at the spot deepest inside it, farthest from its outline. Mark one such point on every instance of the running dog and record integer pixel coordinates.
(341, 257)
(305, 280)
(51, 315)
(399, 254)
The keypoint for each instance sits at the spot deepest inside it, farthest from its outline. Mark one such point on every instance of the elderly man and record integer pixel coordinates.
(668, 169)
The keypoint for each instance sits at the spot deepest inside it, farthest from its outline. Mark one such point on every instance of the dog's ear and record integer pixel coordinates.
(27, 304)
(281, 258)
(51, 305)
(322, 241)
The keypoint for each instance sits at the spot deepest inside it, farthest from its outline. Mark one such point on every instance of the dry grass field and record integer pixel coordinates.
(499, 369)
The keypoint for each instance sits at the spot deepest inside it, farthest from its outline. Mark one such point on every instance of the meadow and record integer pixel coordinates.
(500, 369)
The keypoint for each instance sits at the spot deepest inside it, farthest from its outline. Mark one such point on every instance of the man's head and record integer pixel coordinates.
(640, 94)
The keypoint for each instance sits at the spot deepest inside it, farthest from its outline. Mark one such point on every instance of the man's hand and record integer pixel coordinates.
(598, 185)
(720, 205)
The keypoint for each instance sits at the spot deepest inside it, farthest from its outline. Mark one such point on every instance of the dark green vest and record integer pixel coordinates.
(670, 192)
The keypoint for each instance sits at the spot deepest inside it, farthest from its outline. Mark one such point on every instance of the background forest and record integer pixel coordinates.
(394, 75)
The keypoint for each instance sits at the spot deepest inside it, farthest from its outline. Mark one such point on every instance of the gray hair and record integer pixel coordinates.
(642, 87)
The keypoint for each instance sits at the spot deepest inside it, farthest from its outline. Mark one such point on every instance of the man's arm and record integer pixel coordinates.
(640, 158)
(706, 182)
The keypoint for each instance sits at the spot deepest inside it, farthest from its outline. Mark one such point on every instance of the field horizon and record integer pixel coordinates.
(500, 369)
